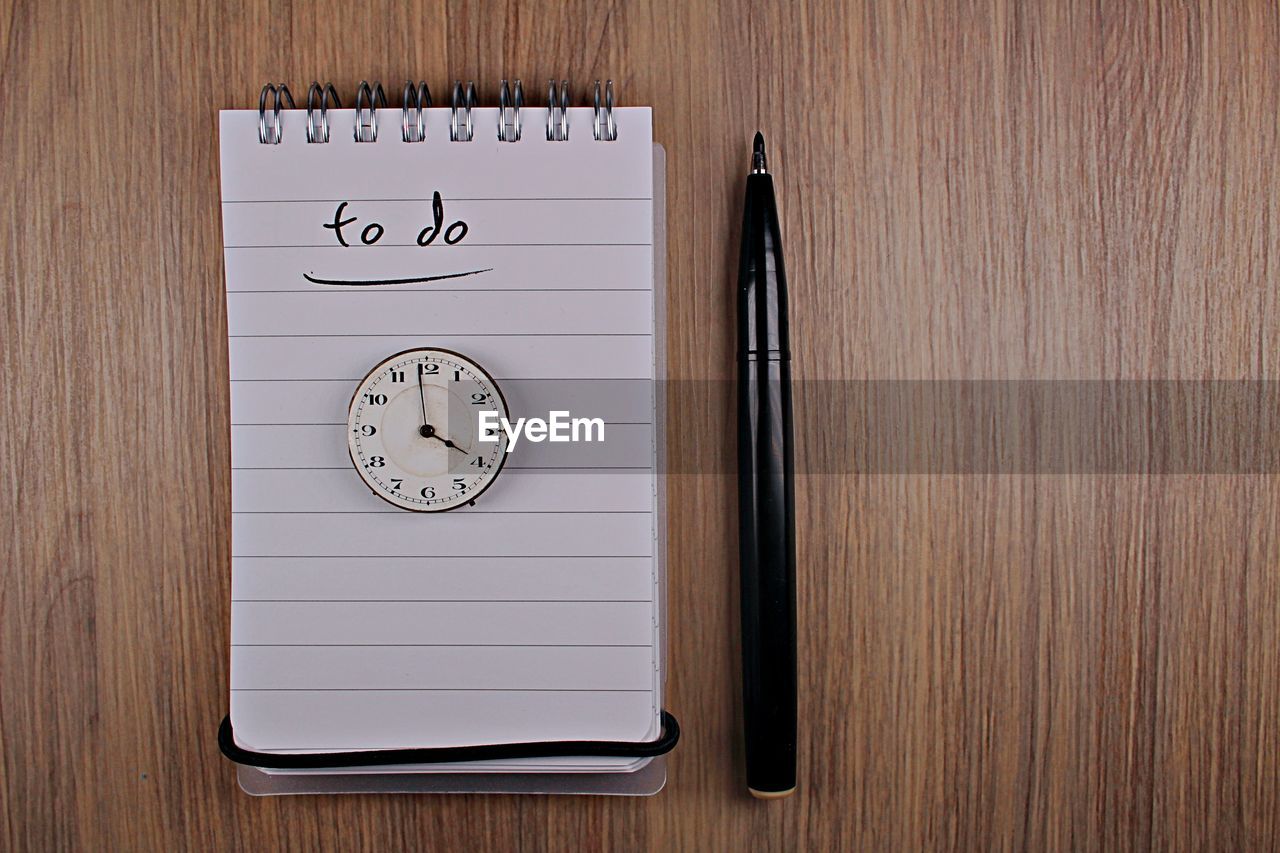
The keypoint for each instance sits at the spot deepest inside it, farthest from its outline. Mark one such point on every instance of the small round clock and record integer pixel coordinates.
(414, 430)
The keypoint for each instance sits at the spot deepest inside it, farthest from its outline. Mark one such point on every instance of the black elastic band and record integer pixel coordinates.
(664, 743)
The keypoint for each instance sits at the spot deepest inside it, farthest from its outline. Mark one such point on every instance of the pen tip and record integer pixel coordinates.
(757, 156)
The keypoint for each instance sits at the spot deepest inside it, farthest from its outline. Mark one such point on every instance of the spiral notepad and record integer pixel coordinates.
(523, 237)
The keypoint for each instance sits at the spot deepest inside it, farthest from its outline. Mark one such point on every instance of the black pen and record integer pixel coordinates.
(766, 495)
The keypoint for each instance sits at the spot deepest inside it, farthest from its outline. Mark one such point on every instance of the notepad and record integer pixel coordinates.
(532, 615)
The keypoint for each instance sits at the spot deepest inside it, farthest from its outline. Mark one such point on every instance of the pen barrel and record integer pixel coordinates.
(766, 495)
(768, 573)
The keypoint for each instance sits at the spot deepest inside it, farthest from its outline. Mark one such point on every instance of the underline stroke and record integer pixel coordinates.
(382, 281)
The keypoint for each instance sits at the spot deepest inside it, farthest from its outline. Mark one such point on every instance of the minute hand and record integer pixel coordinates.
(422, 396)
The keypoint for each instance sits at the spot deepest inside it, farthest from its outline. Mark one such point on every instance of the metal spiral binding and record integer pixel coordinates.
(319, 131)
(271, 134)
(368, 101)
(417, 99)
(509, 107)
(557, 112)
(420, 98)
(604, 127)
(460, 127)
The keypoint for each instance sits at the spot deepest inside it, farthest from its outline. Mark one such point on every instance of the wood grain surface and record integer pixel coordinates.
(970, 190)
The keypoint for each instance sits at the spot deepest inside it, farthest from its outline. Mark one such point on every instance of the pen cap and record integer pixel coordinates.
(762, 279)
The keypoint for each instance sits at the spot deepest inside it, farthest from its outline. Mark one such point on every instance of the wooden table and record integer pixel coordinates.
(1040, 190)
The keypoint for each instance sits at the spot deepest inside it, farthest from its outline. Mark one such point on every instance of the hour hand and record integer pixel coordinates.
(428, 431)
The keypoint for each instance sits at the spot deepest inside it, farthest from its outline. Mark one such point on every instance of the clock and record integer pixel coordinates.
(414, 430)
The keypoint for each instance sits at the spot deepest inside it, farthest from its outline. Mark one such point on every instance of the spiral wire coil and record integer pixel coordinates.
(318, 130)
(368, 101)
(604, 126)
(271, 133)
(557, 112)
(415, 99)
(510, 102)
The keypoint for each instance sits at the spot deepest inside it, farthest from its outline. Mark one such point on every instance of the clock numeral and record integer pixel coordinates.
(428, 492)
(397, 376)
(368, 429)
(377, 462)
(459, 484)
(395, 483)
(479, 462)
(478, 398)
(457, 376)
(428, 369)
(376, 399)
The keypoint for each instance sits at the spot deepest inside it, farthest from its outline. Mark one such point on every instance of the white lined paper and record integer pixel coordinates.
(458, 717)
(532, 615)
(321, 401)
(520, 356)
(575, 267)
(387, 311)
(455, 533)
(468, 578)
(612, 668)
(322, 490)
(317, 446)
(501, 222)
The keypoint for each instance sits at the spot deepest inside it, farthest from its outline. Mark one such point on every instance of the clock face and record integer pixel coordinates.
(414, 430)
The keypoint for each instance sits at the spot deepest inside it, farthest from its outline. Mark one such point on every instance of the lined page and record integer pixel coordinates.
(532, 615)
